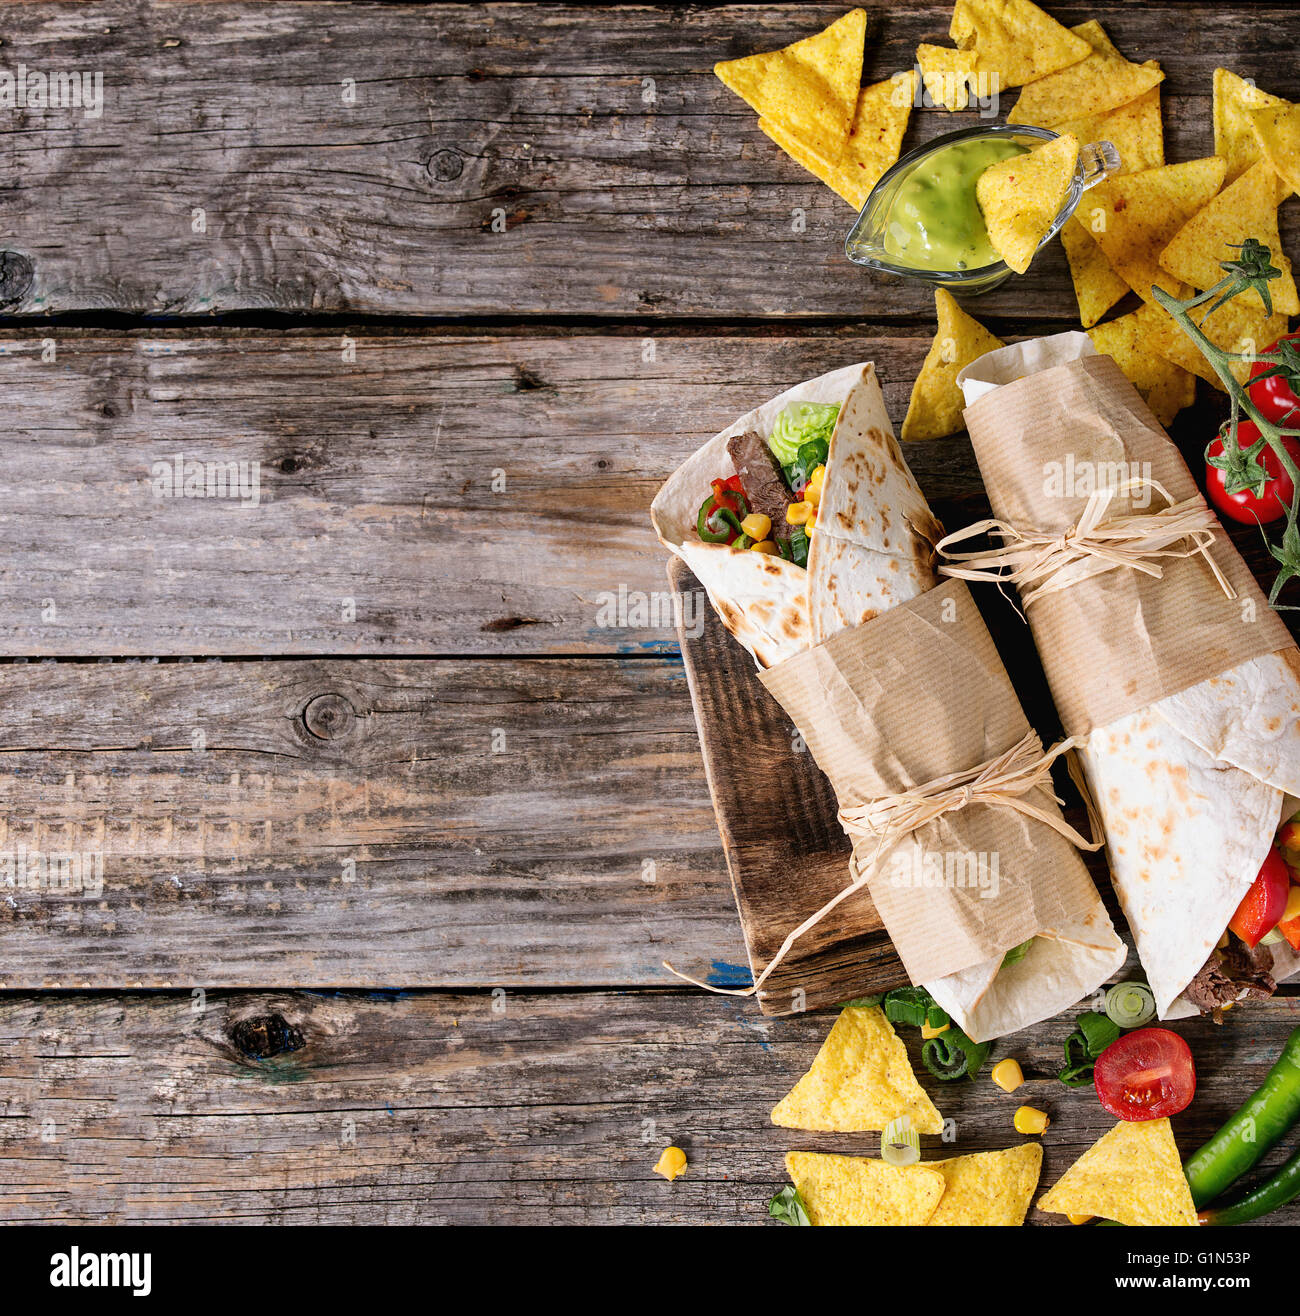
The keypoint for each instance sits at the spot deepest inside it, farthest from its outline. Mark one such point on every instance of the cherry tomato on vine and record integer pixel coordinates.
(1243, 504)
(1278, 396)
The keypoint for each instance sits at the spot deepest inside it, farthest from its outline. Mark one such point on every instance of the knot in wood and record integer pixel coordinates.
(16, 274)
(445, 166)
(329, 717)
(266, 1035)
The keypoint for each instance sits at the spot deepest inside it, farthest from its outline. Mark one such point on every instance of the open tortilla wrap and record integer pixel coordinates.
(1190, 788)
(879, 537)
(872, 551)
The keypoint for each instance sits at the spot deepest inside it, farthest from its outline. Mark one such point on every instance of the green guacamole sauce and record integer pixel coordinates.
(934, 222)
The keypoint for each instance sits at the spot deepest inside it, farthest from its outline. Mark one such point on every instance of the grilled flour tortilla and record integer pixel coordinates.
(1191, 788)
(871, 551)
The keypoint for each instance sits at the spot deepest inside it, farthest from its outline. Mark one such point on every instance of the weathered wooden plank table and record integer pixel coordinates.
(391, 762)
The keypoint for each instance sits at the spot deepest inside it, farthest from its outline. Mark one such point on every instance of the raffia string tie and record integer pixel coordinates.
(1001, 782)
(1041, 563)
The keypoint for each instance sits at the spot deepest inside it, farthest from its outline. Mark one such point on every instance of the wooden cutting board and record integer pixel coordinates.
(776, 811)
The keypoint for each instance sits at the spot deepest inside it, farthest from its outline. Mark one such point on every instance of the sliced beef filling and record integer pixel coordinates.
(1227, 973)
(762, 480)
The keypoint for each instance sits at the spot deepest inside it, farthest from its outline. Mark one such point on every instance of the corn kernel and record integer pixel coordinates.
(799, 513)
(927, 1032)
(1222, 942)
(813, 492)
(757, 526)
(1007, 1074)
(671, 1163)
(1079, 1219)
(763, 546)
(1030, 1121)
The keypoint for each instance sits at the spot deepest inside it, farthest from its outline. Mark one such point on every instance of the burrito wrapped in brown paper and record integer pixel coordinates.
(896, 687)
(1179, 681)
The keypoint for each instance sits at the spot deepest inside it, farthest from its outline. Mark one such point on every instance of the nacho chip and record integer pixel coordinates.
(809, 89)
(874, 140)
(1134, 129)
(1244, 209)
(860, 1081)
(857, 1190)
(1103, 81)
(1165, 387)
(1014, 39)
(1133, 218)
(1132, 1174)
(1237, 326)
(944, 73)
(1021, 198)
(988, 1188)
(1277, 128)
(1096, 286)
(936, 405)
(1234, 134)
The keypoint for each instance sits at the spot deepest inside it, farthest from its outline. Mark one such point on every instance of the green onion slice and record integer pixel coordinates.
(900, 1144)
(1130, 1004)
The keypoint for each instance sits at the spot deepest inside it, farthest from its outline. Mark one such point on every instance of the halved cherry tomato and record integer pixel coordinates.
(1278, 396)
(1265, 903)
(1242, 504)
(1146, 1075)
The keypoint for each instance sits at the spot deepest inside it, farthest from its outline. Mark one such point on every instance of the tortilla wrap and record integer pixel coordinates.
(1191, 788)
(872, 550)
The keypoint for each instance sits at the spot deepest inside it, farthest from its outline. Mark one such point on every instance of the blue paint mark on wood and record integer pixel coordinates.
(722, 974)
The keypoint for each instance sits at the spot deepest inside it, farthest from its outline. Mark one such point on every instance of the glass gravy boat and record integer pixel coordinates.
(865, 244)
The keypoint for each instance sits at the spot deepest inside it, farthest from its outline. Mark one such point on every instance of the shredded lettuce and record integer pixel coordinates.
(800, 423)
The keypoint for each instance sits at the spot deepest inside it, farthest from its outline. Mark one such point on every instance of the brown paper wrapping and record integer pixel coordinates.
(876, 707)
(1115, 642)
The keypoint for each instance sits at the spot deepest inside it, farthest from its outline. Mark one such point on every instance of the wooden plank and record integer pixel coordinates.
(349, 823)
(476, 1109)
(776, 813)
(357, 158)
(446, 494)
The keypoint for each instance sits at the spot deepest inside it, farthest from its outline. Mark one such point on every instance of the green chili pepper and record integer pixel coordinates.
(1282, 1188)
(710, 511)
(1267, 1114)
(953, 1055)
(1093, 1033)
(914, 1006)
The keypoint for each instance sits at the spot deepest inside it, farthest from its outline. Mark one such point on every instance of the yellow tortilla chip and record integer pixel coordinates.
(856, 1190)
(944, 73)
(1096, 286)
(874, 140)
(1165, 387)
(1234, 134)
(1277, 128)
(988, 1188)
(1103, 81)
(809, 89)
(936, 405)
(860, 1081)
(1132, 1174)
(1244, 209)
(1132, 218)
(1021, 198)
(1237, 326)
(1014, 39)
(1134, 130)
